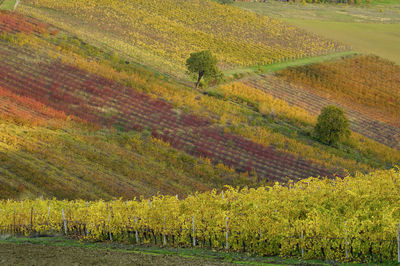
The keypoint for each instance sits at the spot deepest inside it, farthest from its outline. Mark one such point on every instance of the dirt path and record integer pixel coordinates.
(40, 254)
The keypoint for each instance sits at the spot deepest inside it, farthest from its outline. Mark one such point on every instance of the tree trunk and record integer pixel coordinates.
(198, 80)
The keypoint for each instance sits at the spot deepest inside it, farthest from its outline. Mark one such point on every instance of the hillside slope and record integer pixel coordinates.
(366, 83)
(163, 34)
(232, 125)
(103, 101)
(372, 28)
(44, 152)
(370, 124)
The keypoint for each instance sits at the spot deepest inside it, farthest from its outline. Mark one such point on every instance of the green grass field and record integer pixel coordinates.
(367, 29)
(285, 64)
(370, 38)
(385, 2)
(7, 5)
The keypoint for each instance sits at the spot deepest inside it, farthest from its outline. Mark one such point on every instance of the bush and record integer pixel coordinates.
(225, 1)
(332, 125)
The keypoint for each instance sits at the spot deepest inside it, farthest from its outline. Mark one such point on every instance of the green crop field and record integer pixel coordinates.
(7, 4)
(373, 29)
(374, 38)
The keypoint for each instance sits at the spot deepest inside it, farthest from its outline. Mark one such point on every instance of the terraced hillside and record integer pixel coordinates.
(364, 82)
(368, 124)
(44, 152)
(163, 33)
(39, 74)
(106, 90)
(108, 103)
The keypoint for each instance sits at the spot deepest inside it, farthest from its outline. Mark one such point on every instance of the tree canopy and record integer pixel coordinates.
(204, 64)
(332, 125)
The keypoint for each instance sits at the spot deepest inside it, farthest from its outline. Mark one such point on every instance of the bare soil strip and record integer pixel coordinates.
(39, 254)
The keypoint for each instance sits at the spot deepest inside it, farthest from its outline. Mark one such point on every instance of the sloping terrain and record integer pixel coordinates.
(370, 29)
(90, 85)
(108, 103)
(44, 152)
(367, 124)
(162, 34)
(364, 82)
(99, 142)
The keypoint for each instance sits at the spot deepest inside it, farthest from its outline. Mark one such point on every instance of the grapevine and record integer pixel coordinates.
(323, 217)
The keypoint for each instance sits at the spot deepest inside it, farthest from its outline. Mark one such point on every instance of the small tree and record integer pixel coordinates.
(332, 125)
(204, 64)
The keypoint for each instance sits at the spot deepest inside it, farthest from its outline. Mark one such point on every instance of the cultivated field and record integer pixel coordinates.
(343, 219)
(47, 153)
(222, 129)
(369, 124)
(106, 102)
(163, 34)
(327, 12)
(368, 29)
(104, 143)
(362, 82)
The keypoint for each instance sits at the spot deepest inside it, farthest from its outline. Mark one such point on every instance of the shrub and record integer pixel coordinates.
(332, 125)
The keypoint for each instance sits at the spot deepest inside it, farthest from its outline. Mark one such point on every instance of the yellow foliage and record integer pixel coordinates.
(164, 33)
(323, 217)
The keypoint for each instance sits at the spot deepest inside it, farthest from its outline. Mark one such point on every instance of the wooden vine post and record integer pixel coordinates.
(136, 232)
(226, 233)
(15, 229)
(398, 242)
(65, 222)
(164, 238)
(302, 244)
(194, 234)
(48, 215)
(31, 219)
(347, 242)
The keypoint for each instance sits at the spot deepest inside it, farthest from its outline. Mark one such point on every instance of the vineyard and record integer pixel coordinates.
(163, 34)
(350, 219)
(45, 152)
(364, 80)
(103, 101)
(103, 140)
(233, 128)
(83, 81)
(371, 125)
(351, 2)
(15, 23)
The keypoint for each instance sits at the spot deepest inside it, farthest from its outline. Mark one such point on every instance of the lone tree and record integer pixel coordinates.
(204, 64)
(332, 125)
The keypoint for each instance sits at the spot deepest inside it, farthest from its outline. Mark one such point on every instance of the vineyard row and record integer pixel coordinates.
(103, 101)
(350, 219)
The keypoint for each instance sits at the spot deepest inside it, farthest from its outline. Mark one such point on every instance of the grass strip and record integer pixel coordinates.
(7, 5)
(291, 63)
(231, 257)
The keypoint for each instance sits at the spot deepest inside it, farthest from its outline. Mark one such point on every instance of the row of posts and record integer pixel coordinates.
(193, 231)
(226, 234)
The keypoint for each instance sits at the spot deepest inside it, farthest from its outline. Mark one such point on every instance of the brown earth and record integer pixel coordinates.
(41, 254)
